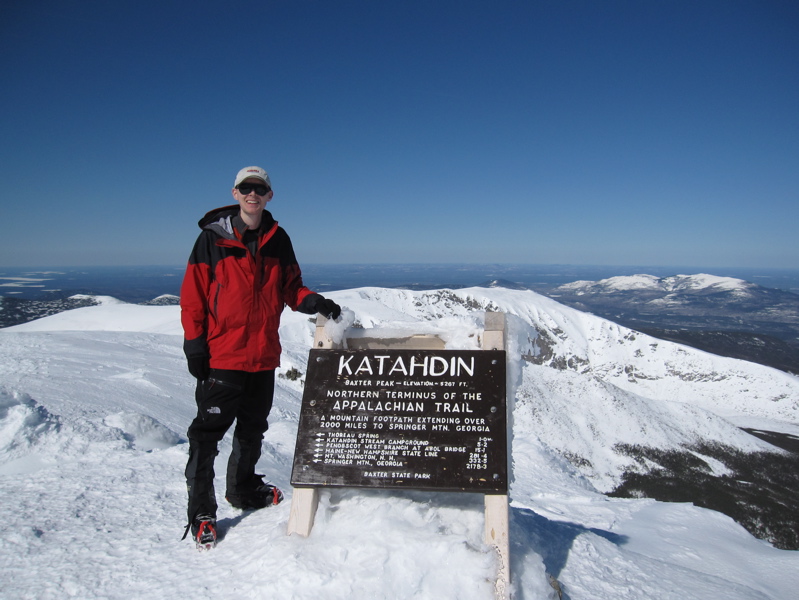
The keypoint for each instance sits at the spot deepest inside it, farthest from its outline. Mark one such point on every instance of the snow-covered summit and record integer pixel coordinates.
(551, 343)
(94, 403)
(164, 300)
(112, 315)
(576, 369)
(102, 300)
(701, 282)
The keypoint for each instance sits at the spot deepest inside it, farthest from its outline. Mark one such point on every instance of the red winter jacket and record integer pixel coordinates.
(231, 301)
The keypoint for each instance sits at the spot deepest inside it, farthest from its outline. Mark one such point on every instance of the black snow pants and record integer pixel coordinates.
(224, 397)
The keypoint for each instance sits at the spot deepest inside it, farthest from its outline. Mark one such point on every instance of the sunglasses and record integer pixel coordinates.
(246, 188)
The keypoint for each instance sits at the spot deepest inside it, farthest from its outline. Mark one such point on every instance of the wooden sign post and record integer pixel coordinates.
(407, 414)
(496, 505)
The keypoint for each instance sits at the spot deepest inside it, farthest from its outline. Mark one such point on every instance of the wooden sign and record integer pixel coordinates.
(418, 419)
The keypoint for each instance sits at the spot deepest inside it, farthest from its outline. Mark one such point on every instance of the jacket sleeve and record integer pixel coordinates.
(194, 300)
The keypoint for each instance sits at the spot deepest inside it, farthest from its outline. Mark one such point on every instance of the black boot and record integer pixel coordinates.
(245, 489)
(261, 495)
(203, 530)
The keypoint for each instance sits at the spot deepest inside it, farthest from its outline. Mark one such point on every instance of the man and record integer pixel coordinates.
(241, 273)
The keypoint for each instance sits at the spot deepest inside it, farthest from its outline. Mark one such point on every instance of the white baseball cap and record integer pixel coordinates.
(256, 172)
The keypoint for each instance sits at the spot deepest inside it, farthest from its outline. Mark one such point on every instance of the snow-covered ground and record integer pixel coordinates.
(94, 404)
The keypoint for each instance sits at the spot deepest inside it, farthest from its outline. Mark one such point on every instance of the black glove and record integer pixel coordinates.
(328, 308)
(200, 367)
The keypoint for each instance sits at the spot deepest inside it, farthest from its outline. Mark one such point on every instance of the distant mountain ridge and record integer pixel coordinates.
(674, 283)
(687, 297)
(16, 311)
(723, 315)
(687, 293)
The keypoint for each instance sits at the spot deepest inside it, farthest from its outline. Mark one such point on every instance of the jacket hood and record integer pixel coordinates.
(220, 220)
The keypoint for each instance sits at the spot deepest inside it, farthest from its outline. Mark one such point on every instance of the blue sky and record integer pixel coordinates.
(609, 133)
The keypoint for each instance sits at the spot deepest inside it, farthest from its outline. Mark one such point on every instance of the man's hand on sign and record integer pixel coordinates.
(328, 308)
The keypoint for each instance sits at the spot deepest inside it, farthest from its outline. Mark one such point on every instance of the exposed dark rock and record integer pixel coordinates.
(760, 490)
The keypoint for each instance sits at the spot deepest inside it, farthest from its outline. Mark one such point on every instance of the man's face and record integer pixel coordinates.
(251, 202)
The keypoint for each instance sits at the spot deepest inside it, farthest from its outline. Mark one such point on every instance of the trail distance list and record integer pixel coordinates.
(417, 419)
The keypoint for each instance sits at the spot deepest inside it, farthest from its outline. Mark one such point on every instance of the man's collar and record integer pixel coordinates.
(239, 225)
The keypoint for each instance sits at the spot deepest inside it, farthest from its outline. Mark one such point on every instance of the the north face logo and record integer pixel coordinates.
(214, 410)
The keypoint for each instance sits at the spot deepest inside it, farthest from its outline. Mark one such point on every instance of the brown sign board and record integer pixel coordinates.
(415, 419)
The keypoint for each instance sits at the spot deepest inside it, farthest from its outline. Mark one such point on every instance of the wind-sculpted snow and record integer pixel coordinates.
(32, 438)
(144, 432)
(94, 404)
(586, 418)
(24, 426)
